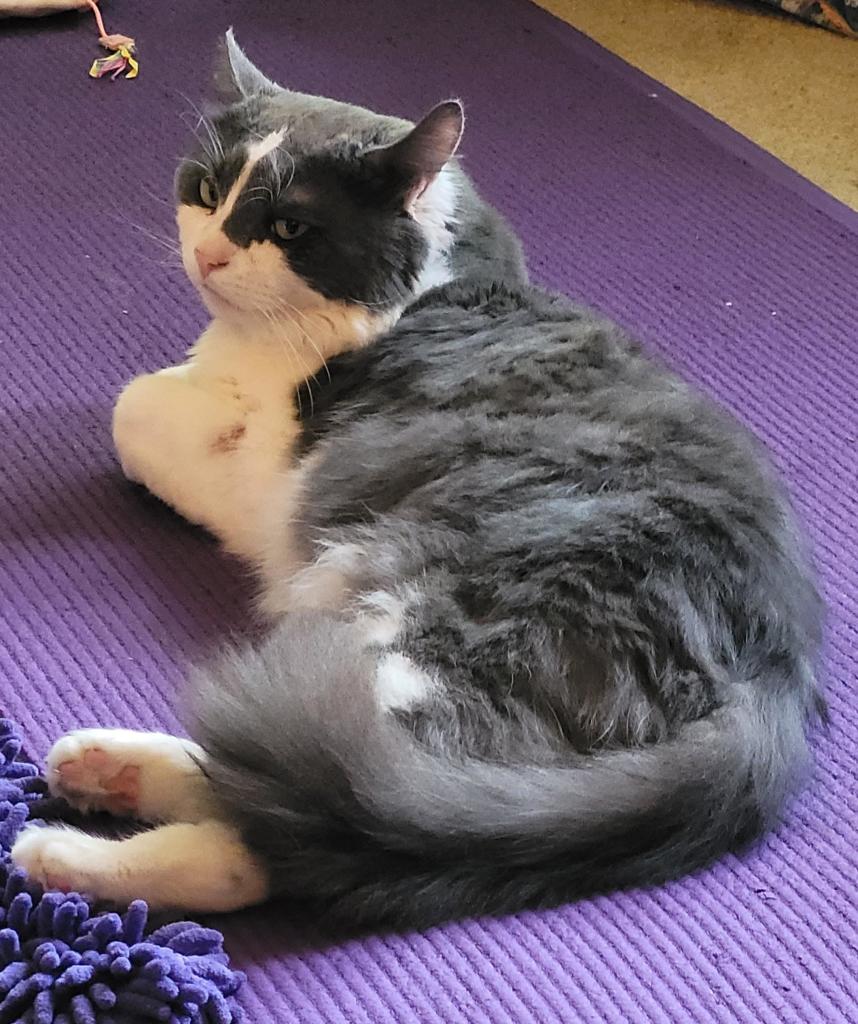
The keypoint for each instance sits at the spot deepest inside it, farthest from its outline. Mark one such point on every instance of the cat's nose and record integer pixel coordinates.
(213, 255)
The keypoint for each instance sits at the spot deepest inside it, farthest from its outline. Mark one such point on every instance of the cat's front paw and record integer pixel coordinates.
(178, 434)
(144, 419)
(58, 858)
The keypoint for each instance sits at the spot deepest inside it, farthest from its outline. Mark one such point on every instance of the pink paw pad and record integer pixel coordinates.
(89, 778)
(57, 884)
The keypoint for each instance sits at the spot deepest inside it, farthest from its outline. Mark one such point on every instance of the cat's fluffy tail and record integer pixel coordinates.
(353, 815)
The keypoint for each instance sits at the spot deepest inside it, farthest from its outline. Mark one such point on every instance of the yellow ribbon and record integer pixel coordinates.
(125, 53)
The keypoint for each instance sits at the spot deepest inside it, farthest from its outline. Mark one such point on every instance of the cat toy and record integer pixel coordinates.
(120, 59)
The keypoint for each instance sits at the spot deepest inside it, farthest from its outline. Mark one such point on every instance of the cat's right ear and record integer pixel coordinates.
(236, 76)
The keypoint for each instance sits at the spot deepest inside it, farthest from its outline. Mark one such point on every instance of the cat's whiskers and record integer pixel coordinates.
(253, 199)
(156, 197)
(214, 138)
(367, 305)
(170, 265)
(283, 316)
(294, 358)
(196, 163)
(260, 188)
(288, 309)
(279, 300)
(247, 196)
(173, 262)
(210, 151)
(280, 186)
(164, 241)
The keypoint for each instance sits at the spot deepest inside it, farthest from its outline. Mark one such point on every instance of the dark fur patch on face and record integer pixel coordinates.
(357, 245)
(360, 244)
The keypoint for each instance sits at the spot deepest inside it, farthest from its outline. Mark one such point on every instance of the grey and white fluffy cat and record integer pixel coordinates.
(543, 625)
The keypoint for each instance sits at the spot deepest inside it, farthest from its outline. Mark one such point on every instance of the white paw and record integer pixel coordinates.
(142, 425)
(150, 776)
(161, 418)
(180, 437)
(91, 769)
(59, 858)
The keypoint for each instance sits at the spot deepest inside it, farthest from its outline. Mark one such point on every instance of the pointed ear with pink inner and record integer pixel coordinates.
(413, 163)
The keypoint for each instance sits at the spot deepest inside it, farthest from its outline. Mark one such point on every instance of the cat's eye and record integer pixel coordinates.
(288, 229)
(209, 195)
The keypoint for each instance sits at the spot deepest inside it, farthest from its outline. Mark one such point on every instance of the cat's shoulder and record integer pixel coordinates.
(490, 298)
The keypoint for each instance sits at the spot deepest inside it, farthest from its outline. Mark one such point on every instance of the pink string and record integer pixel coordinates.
(94, 7)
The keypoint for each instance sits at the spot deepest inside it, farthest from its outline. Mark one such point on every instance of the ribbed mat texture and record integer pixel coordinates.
(740, 274)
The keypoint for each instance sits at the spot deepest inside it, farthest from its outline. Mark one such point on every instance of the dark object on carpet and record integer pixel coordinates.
(61, 962)
(838, 15)
(627, 198)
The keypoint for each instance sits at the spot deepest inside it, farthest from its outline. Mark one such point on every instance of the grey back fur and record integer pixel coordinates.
(602, 575)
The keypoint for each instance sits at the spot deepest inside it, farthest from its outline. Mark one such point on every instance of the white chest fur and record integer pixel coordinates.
(213, 437)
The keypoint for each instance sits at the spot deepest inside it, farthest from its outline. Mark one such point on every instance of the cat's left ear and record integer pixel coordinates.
(236, 76)
(413, 163)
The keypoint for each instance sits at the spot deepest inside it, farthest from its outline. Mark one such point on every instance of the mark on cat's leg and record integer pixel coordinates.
(203, 867)
(228, 440)
(150, 776)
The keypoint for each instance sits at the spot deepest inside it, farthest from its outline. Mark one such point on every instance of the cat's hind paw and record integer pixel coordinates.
(58, 858)
(144, 775)
(91, 769)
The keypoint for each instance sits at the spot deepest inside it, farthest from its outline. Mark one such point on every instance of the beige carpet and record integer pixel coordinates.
(790, 87)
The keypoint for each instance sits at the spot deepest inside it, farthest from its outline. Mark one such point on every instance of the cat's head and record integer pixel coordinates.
(294, 202)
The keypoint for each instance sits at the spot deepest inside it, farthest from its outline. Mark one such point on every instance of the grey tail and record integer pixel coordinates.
(353, 816)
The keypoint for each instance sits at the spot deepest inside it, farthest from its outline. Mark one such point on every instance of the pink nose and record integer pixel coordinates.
(213, 255)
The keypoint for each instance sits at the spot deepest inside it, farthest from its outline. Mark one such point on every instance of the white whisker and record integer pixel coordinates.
(260, 188)
(156, 197)
(196, 163)
(164, 242)
(217, 146)
(294, 358)
(281, 188)
(367, 305)
(284, 306)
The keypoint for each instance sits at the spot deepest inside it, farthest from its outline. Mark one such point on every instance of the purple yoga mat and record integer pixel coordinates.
(720, 258)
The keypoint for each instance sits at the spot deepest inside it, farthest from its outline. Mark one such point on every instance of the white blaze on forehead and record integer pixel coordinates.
(256, 151)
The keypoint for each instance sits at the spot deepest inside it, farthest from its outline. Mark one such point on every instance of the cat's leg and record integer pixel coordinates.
(204, 448)
(202, 867)
(164, 426)
(145, 775)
